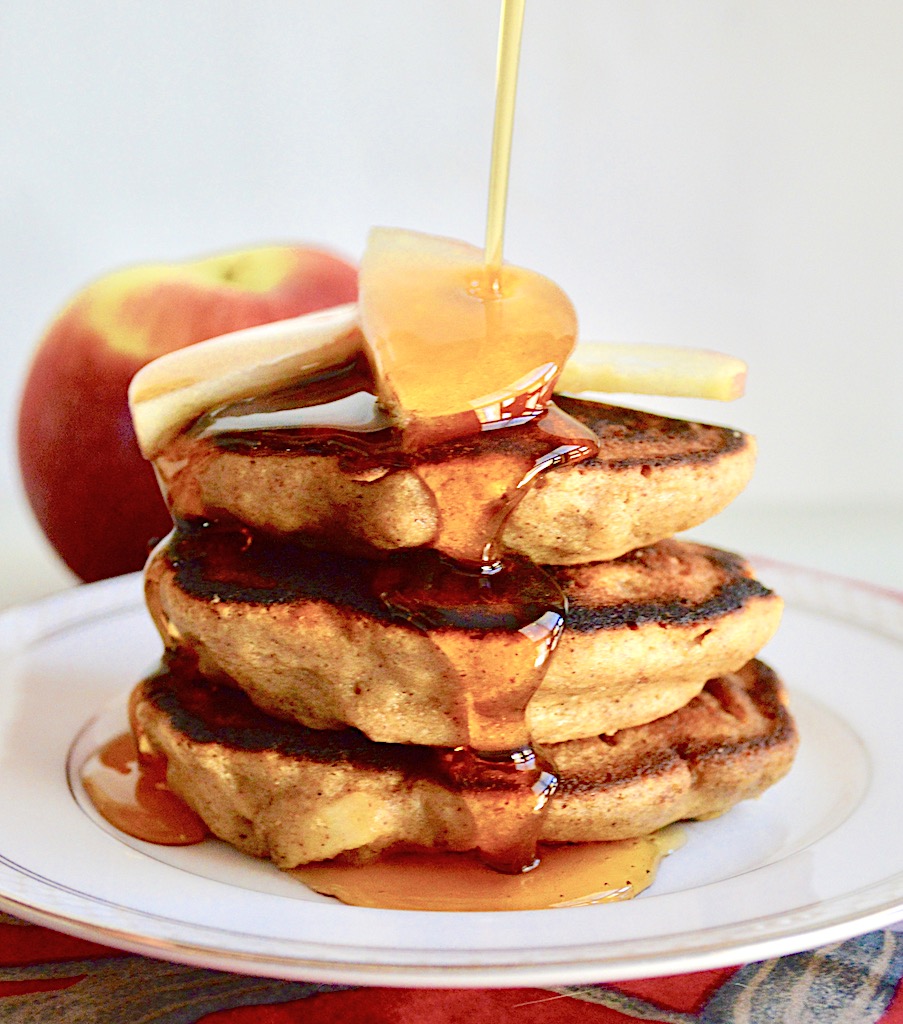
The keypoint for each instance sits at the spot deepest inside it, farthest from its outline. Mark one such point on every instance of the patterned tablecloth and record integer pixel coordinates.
(46, 976)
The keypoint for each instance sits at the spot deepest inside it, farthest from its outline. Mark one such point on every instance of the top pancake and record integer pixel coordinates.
(653, 476)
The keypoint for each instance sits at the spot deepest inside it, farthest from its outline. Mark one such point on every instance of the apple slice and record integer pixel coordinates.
(653, 370)
(452, 349)
(168, 394)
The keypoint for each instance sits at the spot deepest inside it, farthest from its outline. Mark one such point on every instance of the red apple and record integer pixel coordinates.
(93, 494)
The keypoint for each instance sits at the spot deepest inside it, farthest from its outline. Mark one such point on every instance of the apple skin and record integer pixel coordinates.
(94, 496)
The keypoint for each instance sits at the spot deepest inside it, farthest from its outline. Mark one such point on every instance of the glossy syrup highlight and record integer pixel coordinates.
(131, 793)
(469, 586)
(571, 875)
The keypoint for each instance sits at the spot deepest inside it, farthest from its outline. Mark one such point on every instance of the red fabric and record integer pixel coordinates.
(44, 964)
(30, 944)
(427, 1006)
(894, 1014)
(18, 988)
(685, 993)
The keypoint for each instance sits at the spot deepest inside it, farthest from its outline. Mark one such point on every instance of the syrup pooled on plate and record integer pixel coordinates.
(462, 354)
(131, 793)
(570, 876)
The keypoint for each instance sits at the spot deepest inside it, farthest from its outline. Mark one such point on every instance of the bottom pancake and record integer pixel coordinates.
(296, 795)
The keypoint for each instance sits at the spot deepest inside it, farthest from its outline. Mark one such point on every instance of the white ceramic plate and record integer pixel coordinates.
(816, 859)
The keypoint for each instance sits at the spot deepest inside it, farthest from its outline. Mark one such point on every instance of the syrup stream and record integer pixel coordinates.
(451, 599)
(510, 32)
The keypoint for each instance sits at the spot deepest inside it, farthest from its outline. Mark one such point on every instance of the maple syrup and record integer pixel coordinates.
(510, 32)
(466, 590)
(570, 876)
(453, 354)
(458, 590)
(338, 414)
(131, 793)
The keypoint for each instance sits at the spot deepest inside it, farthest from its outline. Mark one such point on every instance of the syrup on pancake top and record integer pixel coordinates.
(501, 344)
(360, 387)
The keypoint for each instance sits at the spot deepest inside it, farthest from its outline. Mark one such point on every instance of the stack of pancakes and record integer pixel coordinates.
(304, 718)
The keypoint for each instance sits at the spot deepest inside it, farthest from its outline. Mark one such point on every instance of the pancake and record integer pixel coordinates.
(279, 790)
(307, 636)
(654, 476)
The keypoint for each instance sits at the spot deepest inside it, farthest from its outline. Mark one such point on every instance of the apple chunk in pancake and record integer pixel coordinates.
(174, 390)
(452, 350)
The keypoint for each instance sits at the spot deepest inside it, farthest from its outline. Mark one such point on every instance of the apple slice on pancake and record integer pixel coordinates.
(452, 352)
(452, 348)
(614, 368)
(174, 390)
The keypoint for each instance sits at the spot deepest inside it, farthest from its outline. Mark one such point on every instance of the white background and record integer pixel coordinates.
(722, 173)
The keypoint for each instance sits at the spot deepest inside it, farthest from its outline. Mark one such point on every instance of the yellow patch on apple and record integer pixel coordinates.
(256, 270)
(125, 307)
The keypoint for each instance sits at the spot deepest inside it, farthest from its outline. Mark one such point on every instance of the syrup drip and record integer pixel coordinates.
(474, 507)
(520, 604)
(506, 794)
(130, 791)
(455, 592)
(468, 592)
(338, 414)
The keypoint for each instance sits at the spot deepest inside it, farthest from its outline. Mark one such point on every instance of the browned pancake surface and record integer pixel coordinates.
(308, 637)
(279, 790)
(654, 476)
